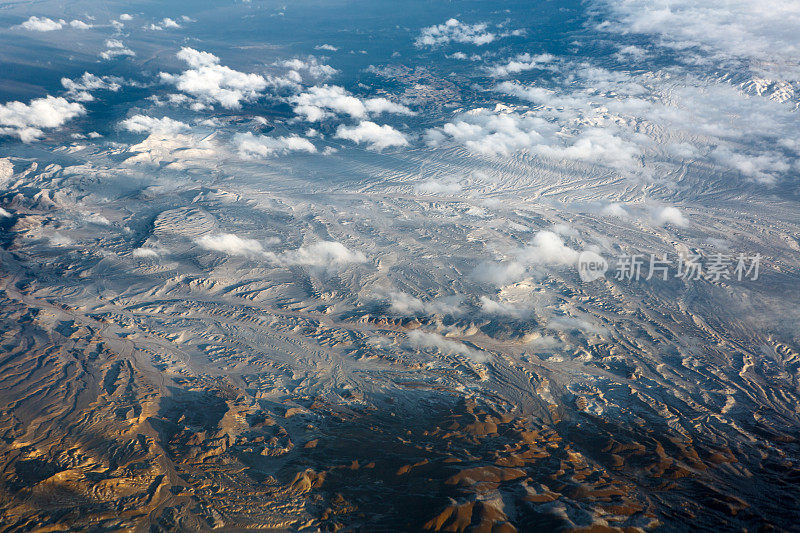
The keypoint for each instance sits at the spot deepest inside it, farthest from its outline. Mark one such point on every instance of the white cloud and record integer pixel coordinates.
(115, 48)
(546, 248)
(764, 34)
(149, 252)
(42, 24)
(165, 23)
(501, 134)
(325, 254)
(519, 64)
(669, 215)
(211, 83)
(375, 136)
(79, 88)
(422, 339)
(4, 213)
(311, 66)
(405, 304)
(761, 167)
(455, 31)
(230, 244)
(328, 255)
(446, 186)
(125, 16)
(321, 102)
(327, 47)
(488, 133)
(163, 146)
(616, 118)
(27, 121)
(249, 145)
(146, 124)
(79, 24)
(614, 210)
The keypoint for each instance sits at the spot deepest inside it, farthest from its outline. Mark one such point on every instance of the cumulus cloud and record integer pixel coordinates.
(79, 24)
(325, 254)
(149, 252)
(27, 121)
(230, 244)
(488, 133)
(614, 210)
(617, 119)
(519, 64)
(211, 83)
(422, 339)
(324, 101)
(327, 47)
(445, 186)
(405, 304)
(80, 88)
(546, 248)
(455, 31)
(311, 66)
(163, 146)
(44, 24)
(669, 215)
(762, 34)
(115, 48)
(146, 124)
(504, 133)
(762, 167)
(249, 145)
(374, 136)
(165, 23)
(125, 16)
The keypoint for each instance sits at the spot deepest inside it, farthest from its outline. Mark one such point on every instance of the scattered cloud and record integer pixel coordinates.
(320, 102)
(445, 186)
(669, 215)
(311, 66)
(164, 24)
(230, 244)
(546, 248)
(422, 339)
(249, 145)
(764, 35)
(27, 121)
(455, 31)
(324, 254)
(211, 83)
(405, 304)
(376, 137)
(80, 88)
(44, 24)
(519, 64)
(115, 48)
(146, 124)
